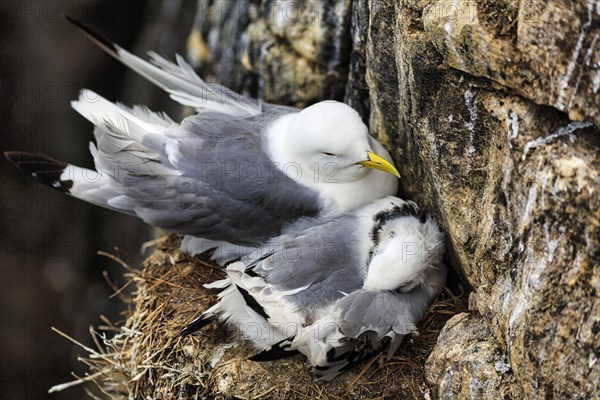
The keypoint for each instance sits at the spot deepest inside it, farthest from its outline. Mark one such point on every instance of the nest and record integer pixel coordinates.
(145, 357)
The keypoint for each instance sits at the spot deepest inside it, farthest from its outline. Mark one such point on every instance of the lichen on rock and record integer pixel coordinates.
(513, 181)
(546, 51)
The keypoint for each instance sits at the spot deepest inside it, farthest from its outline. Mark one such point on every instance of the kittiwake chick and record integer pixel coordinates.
(335, 289)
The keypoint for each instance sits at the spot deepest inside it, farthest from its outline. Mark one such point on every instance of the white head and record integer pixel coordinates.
(331, 137)
(407, 250)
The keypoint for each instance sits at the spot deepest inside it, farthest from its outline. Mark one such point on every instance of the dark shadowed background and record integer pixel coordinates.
(50, 273)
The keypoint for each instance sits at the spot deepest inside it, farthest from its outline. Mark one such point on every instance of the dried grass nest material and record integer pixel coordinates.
(145, 358)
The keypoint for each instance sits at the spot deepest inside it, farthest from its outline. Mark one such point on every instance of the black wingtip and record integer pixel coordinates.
(13, 156)
(252, 303)
(276, 352)
(94, 36)
(45, 169)
(197, 324)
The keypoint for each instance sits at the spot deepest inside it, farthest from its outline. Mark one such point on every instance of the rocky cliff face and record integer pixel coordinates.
(491, 110)
(286, 52)
(493, 113)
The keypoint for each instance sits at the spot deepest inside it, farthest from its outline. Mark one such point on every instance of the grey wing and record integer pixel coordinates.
(322, 259)
(220, 183)
(358, 325)
(384, 313)
(367, 321)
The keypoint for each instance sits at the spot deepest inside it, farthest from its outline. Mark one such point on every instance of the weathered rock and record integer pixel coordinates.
(218, 41)
(516, 187)
(466, 365)
(547, 51)
(287, 52)
(357, 92)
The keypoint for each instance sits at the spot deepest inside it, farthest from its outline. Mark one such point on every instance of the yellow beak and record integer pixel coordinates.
(377, 162)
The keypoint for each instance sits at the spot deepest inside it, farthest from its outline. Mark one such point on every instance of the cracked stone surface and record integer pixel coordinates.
(546, 51)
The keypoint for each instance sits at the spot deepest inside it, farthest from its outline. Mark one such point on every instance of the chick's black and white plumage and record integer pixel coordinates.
(235, 172)
(335, 289)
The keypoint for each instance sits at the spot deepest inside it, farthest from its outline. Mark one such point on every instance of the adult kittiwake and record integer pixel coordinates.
(236, 172)
(336, 289)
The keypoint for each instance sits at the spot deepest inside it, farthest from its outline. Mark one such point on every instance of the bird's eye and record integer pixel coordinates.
(392, 234)
(328, 154)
